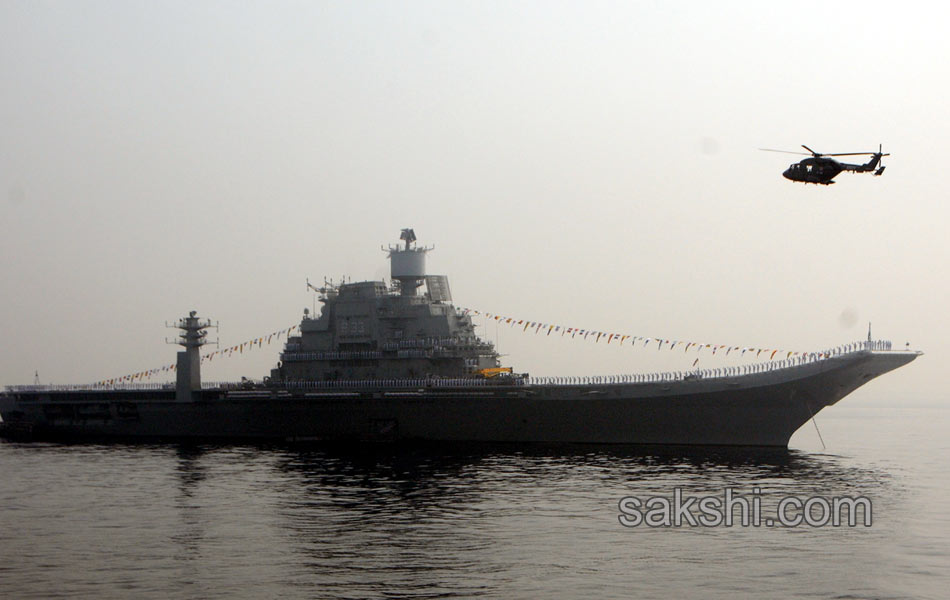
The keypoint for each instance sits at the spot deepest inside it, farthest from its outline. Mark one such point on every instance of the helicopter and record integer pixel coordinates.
(822, 169)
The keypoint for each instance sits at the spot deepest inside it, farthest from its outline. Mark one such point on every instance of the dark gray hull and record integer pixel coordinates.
(762, 409)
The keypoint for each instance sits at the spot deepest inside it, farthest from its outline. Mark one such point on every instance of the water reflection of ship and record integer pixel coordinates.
(465, 520)
(468, 471)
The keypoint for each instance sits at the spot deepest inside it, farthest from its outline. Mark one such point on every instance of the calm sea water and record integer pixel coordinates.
(172, 521)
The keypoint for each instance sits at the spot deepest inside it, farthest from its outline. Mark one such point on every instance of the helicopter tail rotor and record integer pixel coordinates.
(881, 155)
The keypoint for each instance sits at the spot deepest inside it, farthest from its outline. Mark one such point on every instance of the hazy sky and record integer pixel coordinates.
(590, 164)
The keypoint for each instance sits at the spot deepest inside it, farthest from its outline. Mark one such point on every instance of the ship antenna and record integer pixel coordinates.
(408, 235)
(188, 368)
(310, 286)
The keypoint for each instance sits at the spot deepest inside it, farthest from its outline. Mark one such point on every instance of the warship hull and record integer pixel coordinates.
(758, 409)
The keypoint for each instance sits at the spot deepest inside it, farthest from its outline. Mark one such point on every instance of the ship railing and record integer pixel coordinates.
(414, 383)
(789, 361)
(419, 352)
(660, 377)
(413, 354)
(435, 342)
(89, 387)
(244, 384)
(434, 352)
(303, 356)
(105, 387)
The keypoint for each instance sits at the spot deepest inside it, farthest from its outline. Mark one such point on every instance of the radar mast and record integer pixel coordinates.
(408, 263)
(188, 367)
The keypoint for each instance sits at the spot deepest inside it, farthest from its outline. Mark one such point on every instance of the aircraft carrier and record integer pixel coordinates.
(395, 362)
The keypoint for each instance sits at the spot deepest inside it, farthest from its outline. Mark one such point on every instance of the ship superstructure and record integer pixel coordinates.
(369, 330)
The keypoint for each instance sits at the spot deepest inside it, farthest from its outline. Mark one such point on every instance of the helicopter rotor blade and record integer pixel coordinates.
(785, 151)
(852, 154)
(813, 153)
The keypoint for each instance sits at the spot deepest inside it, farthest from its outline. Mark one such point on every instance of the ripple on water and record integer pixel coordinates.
(464, 521)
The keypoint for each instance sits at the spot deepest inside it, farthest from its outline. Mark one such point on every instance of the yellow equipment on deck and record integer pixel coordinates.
(494, 372)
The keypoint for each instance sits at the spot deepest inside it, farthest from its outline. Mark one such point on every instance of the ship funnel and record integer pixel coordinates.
(408, 263)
